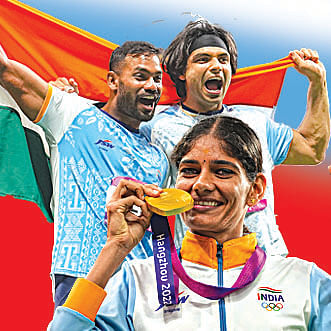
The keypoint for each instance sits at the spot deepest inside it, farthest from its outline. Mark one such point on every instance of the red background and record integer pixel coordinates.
(302, 204)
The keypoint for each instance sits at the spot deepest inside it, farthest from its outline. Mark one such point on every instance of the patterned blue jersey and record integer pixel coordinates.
(88, 149)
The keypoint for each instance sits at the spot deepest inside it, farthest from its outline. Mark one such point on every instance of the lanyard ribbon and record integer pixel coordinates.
(167, 281)
(168, 268)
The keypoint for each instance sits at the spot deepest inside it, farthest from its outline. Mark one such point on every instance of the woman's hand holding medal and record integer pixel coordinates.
(126, 228)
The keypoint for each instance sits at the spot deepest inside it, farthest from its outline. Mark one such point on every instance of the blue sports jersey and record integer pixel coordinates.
(88, 149)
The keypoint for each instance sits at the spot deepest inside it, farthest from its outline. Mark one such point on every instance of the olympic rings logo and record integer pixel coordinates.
(272, 306)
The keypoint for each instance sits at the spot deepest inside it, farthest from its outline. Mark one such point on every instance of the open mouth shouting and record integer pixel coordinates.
(214, 86)
(149, 101)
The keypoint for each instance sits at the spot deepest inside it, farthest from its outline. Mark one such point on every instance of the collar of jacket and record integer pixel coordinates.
(202, 250)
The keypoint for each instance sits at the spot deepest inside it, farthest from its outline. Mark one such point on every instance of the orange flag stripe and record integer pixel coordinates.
(64, 24)
(258, 85)
(53, 48)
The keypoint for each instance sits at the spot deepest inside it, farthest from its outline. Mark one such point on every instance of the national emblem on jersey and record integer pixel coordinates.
(270, 299)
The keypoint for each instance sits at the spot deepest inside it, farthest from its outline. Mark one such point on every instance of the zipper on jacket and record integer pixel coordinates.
(221, 303)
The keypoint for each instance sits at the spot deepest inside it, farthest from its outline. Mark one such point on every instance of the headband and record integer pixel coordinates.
(207, 40)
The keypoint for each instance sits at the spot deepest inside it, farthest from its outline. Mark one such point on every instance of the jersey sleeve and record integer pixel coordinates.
(115, 313)
(58, 112)
(320, 289)
(279, 137)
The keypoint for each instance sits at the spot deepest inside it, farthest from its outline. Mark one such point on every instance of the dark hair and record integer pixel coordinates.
(175, 56)
(236, 138)
(131, 48)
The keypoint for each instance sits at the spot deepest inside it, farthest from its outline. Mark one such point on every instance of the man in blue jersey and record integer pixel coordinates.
(90, 147)
(201, 61)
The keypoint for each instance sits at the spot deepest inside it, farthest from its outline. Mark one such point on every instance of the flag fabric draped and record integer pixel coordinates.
(53, 48)
(258, 85)
(21, 158)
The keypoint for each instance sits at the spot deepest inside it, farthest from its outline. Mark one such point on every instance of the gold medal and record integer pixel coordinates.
(171, 201)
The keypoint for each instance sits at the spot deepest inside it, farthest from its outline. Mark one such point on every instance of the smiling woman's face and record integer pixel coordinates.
(219, 187)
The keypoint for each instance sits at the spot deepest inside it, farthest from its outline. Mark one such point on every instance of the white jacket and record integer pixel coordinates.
(288, 294)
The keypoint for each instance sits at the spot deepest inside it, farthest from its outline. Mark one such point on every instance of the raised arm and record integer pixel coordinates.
(25, 86)
(125, 229)
(66, 85)
(311, 138)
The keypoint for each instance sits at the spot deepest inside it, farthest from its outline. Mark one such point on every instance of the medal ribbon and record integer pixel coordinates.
(168, 268)
(160, 228)
(166, 280)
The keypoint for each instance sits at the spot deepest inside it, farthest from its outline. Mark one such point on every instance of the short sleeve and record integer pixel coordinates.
(58, 112)
(279, 137)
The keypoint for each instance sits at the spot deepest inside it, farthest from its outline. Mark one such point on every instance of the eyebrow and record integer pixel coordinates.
(218, 162)
(223, 162)
(189, 162)
(147, 71)
(209, 55)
